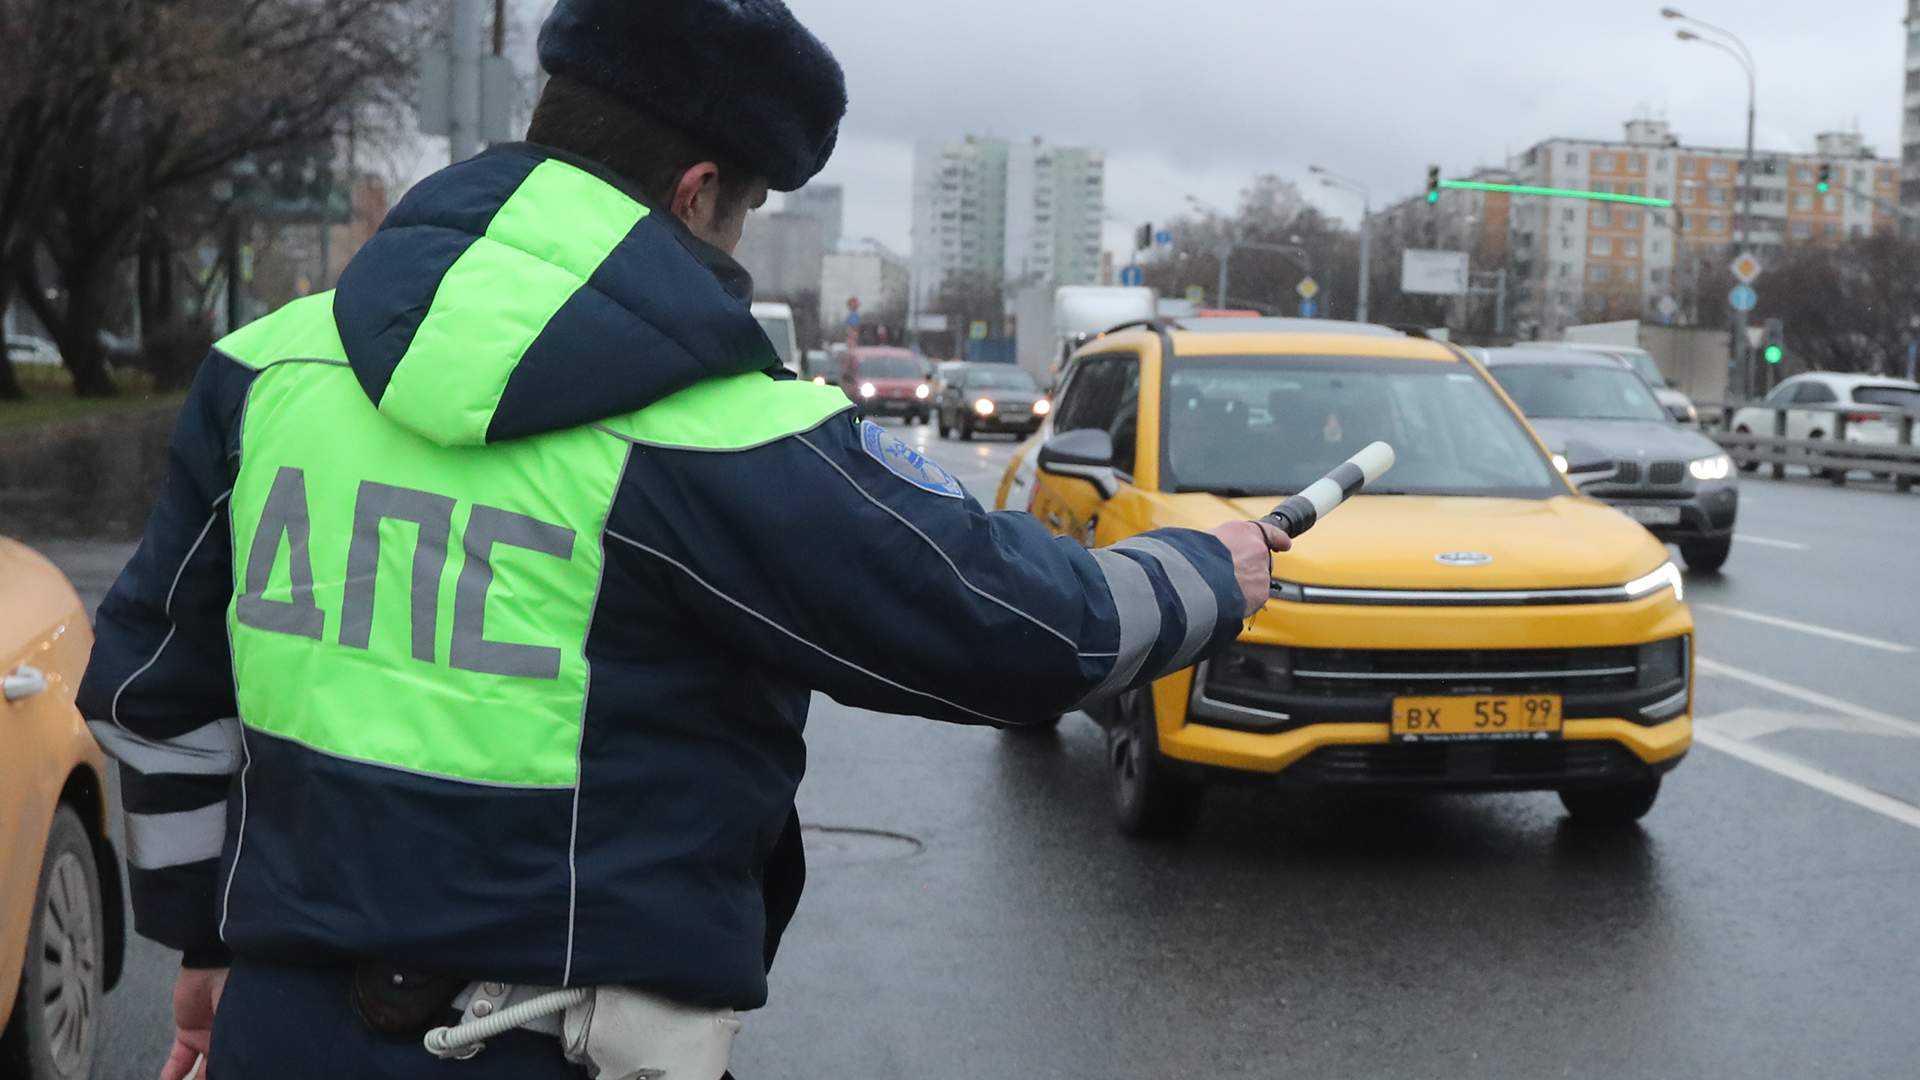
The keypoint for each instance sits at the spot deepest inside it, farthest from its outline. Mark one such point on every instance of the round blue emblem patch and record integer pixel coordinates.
(906, 462)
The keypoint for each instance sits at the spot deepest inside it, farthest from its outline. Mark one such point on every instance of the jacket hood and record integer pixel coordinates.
(525, 291)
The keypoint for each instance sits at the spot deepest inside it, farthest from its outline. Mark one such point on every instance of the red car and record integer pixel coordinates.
(886, 381)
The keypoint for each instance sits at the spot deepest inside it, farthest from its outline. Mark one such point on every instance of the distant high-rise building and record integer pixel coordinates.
(959, 211)
(782, 251)
(825, 202)
(1910, 115)
(1023, 213)
(1056, 200)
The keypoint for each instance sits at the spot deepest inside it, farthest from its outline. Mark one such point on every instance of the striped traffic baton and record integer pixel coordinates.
(1299, 512)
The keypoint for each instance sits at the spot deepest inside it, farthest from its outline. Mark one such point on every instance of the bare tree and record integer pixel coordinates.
(193, 88)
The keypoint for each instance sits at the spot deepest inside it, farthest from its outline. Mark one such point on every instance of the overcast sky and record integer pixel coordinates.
(1198, 97)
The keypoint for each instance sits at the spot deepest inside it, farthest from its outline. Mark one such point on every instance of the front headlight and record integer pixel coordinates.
(1693, 414)
(866, 389)
(1560, 462)
(921, 391)
(1042, 407)
(984, 407)
(1717, 467)
(1666, 577)
(819, 380)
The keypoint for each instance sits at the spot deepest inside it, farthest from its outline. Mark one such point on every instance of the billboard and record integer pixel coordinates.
(1438, 273)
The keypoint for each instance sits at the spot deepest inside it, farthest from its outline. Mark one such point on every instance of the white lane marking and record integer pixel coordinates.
(1811, 697)
(1784, 545)
(1748, 723)
(1807, 628)
(1866, 798)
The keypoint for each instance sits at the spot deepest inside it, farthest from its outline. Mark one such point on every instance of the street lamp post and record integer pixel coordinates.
(1739, 51)
(1335, 180)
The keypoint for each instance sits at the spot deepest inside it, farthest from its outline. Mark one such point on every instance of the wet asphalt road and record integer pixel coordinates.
(971, 912)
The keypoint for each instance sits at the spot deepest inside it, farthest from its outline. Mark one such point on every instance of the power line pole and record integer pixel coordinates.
(463, 131)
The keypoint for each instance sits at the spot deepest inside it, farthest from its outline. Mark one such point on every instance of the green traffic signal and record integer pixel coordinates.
(1774, 353)
(1822, 187)
(1433, 196)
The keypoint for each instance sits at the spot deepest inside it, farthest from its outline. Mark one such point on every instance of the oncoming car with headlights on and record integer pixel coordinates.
(990, 397)
(1472, 624)
(887, 381)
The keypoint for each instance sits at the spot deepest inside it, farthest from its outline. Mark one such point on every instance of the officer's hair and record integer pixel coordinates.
(594, 124)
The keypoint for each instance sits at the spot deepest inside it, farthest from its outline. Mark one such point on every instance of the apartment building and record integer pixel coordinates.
(1576, 261)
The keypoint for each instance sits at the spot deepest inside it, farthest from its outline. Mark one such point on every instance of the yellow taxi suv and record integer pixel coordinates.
(62, 936)
(1471, 623)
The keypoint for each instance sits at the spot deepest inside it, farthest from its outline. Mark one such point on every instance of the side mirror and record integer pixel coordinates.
(1086, 454)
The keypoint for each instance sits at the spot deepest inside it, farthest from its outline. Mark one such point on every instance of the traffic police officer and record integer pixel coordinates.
(472, 635)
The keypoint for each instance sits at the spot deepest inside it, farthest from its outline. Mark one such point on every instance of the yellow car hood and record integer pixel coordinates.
(1393, 541)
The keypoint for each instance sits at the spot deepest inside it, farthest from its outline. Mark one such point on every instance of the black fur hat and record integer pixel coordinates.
(741, 76)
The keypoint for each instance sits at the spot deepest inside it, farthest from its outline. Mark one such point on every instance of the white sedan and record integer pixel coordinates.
(1872, 405)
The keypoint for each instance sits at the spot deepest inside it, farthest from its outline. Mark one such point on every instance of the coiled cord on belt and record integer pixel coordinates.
(469, 1037)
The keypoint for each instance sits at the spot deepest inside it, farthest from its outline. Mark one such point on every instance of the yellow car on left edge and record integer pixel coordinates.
(62, 935)
(1471, 623)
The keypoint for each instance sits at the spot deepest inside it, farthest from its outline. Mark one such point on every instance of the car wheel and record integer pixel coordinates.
(1149, 800)
(1706, 556)
(1614, 804)
(1817, 472)
(966, 429)
(1746, 466)
(55, 1030)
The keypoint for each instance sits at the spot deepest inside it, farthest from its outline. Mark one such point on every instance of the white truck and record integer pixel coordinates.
(1049, 327)
(777, 321)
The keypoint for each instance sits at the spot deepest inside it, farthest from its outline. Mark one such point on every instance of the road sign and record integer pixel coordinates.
(1308, 288)
(1439, 273)
(1755, 336)
(1132, 275)
(1745, 269)
(1309, 309)
(977, 330)
(1196, 295)
(1164, 238)
(1667, 306)
(1743, 298)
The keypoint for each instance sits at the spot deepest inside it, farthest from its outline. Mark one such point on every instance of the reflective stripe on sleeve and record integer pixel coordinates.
(157, 841)
(1196, 597)
(1138, 612)
(210, 750)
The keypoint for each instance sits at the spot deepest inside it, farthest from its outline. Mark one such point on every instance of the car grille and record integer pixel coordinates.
(1625, 473)
(1348, 673)
(1498, 762)
(1666, 472)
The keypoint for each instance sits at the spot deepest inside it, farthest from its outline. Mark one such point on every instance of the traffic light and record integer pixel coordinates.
(1143, 237)
(1826, 179)
(1776, 342)
(1433, 184)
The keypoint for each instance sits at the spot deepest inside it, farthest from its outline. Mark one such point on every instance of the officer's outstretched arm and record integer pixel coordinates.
(158, 693)
(846, 560)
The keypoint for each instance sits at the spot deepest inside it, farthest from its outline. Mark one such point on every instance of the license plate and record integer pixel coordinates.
(1654, 515)
(1475, 718)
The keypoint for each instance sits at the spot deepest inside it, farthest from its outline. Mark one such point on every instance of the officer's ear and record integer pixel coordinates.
(696, 198)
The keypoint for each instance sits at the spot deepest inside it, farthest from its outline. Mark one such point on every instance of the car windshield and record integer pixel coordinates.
(889, 367)
(1273, 425)
(1010, 378)
(1578, 392)
(1643, 366)
(1900, 397)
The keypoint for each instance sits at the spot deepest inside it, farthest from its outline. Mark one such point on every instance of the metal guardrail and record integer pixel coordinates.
(1831, 455)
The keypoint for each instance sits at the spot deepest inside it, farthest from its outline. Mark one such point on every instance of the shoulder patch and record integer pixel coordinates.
(906, 462)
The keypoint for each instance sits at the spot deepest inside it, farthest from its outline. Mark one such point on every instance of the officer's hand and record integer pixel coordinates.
(196, 995)
(1252, 544)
